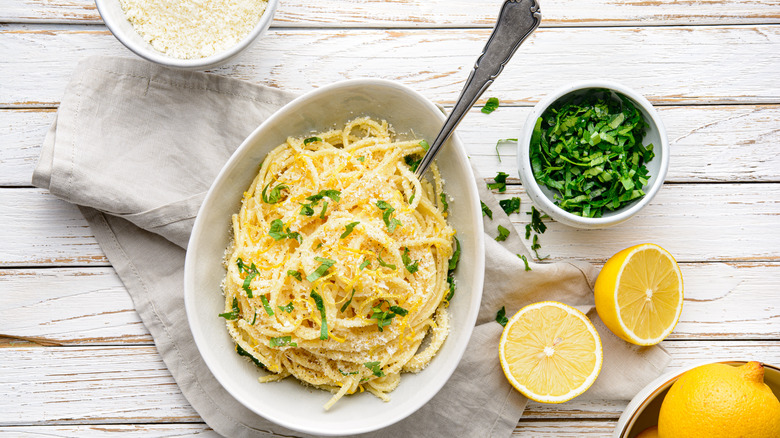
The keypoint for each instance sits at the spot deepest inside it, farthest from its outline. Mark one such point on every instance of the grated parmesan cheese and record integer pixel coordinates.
(188, 29)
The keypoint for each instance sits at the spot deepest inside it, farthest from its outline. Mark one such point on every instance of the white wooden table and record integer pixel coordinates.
(75, 360)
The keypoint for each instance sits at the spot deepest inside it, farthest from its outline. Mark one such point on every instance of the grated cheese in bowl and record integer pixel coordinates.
(191, 29)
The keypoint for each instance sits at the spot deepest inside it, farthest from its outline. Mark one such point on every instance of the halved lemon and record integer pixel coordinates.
(639, 294)
(550, 352)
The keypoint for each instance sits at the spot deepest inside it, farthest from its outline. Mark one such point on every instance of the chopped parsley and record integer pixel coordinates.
(288, 308)
(267, 307)
(387, 210)
(242, 352)
(361, 158)
(324, 324)
(322, 269)
(536, 221)
(347, 374)
(251, 272)
(308, 209)
(278, 232)
(282, 341)
(349, 227)
(383, 263)
(450, 288)
(525, 260)
(375, 368)
(424, 145)
(412, 162)
(234, 313)
(411, 267)
(588, 149)
(536, 246)
(349, 301)
(311, 140)
(501, 317)
(365, 264)
(324, 208)
(453, 263)
(274, 195)
(295, 274)
(503, 233)
(511, 205)
(500, 182)
(385, 317)
(444, 203)
(486, 210)
(502, 141)
(490, 106)
(254, 319)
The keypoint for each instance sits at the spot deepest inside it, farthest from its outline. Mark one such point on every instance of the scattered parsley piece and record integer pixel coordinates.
(503, 233)
(347, 374)
(511, 205)
(375, 368)
(387, 210)
(490, 106)
(444, 202)
(322, 269)
(349, 227)
(525, 260)
(306, 210)
(288, 308)
(324, 207)
(295, 274)
(536, 221)
(501, 141)
(486, 210)
(536, 246)
(451, 286)
(453, 263)
(383, 263)
(349, 301)
(267, 307)
(365, 264)
(277, 230)
(411, 267)
(384, 317)
(282, 341)
(251, 273)
(424, 145)
(398, 310)
(500, 182)
(588, 149)
(412, 163)
(324, 325)
(234, 314)
(274, 195)
(242, 352)
(361, 158)
(311, 140)
(501, 317)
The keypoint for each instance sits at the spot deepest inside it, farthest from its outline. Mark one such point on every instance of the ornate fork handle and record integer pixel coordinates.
(516, 21)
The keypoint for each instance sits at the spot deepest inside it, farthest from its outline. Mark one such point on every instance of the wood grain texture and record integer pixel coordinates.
(39, 230)
(669, 65)
(174, 430)
(130, 384)
(446, 13)
(731, 143)
(89, 306)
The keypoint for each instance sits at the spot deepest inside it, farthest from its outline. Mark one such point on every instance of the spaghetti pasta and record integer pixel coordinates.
(340, 267)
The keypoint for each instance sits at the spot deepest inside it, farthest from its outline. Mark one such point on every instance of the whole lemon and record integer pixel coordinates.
(719, 400)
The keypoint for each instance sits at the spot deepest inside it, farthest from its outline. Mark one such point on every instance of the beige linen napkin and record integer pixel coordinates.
(136, 146)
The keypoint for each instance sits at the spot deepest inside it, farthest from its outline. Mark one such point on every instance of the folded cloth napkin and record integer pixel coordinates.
(136, 146)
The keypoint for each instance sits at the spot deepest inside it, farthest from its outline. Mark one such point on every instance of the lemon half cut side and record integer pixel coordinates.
(639, 294)
(550, 352)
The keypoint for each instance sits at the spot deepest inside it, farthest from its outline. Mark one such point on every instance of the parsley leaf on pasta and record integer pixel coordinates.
(232, 314)
(242, 352)
(453, 263)
(424, 145)
(383, 263)
(349, 301)
(288, 308)
(411, 267)
(375, 368)
(267, 306)
(387, 210)
(383, 317)
(322, 269)
(274, 195)
(295, 274)
(282, 341)
(324, 324)
(349, 227)
(365, 264)
(444, 203)
(311, 140)
(251, 272)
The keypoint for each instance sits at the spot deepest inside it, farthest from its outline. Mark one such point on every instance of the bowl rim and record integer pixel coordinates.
(532, 186)
(469, 319)
(647, 395)
(149, 53)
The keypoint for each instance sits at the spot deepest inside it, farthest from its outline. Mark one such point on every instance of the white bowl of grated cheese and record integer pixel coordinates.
(187, 34)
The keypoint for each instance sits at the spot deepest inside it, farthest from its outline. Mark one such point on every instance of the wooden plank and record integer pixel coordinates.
(173, 430)
(459, 13)
(564, 429)
(731, 143)
(39, 230)
(130, 384)
(675, 65)
(89, 306)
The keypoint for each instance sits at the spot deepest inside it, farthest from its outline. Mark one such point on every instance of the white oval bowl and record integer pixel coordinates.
(288, 402)
(116, 21)
(642, 411)
(542, 197)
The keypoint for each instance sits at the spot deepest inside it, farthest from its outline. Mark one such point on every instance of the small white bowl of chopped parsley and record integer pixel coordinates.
(593, 154)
